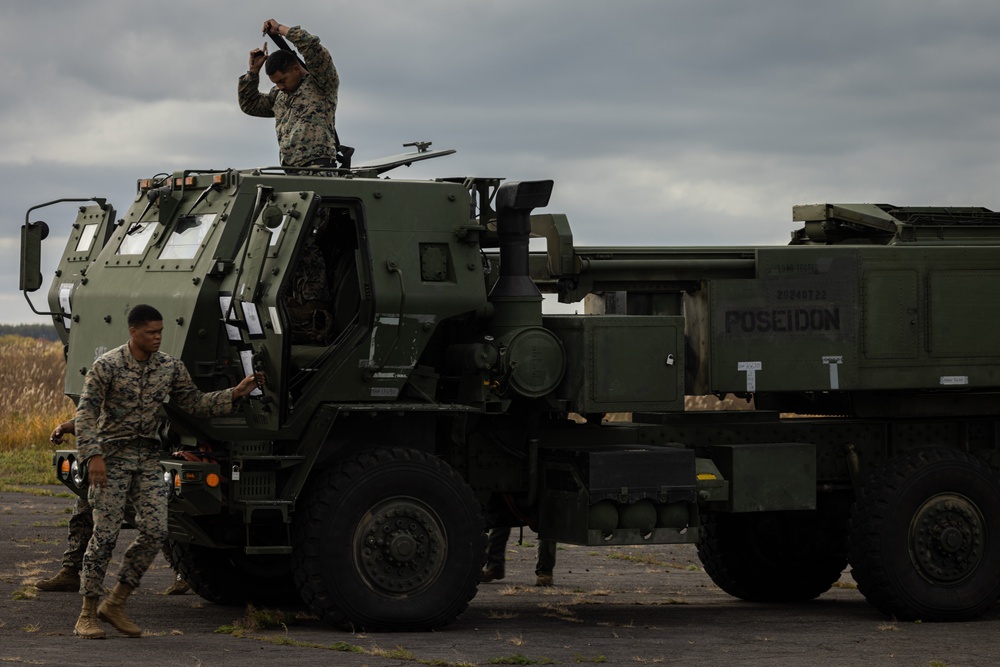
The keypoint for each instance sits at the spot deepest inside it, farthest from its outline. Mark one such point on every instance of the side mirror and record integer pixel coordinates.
(32, 235)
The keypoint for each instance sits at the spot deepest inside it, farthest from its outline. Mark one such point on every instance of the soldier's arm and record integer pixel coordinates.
(318, 59)
(252, 101)
(186, 395)
(201, 404)
(88, 409)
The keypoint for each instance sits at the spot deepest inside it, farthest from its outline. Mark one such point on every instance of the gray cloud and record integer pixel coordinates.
(662, 122)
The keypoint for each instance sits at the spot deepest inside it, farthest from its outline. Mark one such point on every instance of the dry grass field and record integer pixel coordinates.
(32, 403)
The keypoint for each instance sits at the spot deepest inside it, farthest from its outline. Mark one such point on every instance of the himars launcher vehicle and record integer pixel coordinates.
(420, 395)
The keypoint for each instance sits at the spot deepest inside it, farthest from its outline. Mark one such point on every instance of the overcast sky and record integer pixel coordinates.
(661, 122)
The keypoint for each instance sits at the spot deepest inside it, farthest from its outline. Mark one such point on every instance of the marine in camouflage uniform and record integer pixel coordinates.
(81, 527)
(118, 438)
(303, 102)
(496, 556)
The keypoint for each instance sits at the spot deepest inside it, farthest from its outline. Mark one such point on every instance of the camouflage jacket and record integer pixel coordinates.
(304, 120)
(121, 397)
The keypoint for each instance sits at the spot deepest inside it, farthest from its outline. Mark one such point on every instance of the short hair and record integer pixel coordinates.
(143, 313)
(280, 61)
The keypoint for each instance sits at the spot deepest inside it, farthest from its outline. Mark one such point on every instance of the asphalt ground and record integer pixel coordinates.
(628, 605)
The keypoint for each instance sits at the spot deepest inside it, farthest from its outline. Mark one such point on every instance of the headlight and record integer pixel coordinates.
(78, 473)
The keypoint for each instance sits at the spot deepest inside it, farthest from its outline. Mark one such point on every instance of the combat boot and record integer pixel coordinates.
(67, 579)
(86, 625)
(112, 611)
(179, 587)
(543, 580)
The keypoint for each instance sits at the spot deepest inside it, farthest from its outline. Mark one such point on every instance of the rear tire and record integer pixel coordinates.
(392, 539)
(925, 537)
(774, 556)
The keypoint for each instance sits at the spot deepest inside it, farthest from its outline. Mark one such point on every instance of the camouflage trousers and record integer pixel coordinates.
(81, 527)
(132, 479)
(496, 551)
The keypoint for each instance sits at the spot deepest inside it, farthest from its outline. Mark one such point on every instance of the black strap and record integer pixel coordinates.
(280, 42)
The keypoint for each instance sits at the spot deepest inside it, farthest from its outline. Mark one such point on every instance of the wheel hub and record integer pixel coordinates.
(400, 547)
(947, 538)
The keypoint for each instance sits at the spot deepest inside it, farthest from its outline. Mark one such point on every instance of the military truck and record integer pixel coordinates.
(417, 394)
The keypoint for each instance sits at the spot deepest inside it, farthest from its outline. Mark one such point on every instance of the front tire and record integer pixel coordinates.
(230, 577)
(392, 539)
(925, 537)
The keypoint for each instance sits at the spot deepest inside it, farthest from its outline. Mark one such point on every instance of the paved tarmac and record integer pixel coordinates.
(628, 605)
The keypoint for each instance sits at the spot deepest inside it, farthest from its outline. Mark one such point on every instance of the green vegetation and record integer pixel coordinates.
(256, 620)
(25, 593)
(398, 653)
(32, 465)
(519, 659)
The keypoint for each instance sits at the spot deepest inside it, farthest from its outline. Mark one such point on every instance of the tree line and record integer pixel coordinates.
(42, 331)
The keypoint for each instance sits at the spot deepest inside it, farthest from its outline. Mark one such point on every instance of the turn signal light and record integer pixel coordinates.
(212, 480)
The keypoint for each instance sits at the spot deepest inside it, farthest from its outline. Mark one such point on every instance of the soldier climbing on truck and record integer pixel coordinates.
(303, 101)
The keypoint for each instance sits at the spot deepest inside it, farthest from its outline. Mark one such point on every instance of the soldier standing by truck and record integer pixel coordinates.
(303, 102)
(118, 441)
(496, 557)
(81, 527)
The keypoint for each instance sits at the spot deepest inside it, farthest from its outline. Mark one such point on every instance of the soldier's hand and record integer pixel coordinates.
(257, 58)
(59, 431)
(97, 471)
(249, 383)
(272, 27)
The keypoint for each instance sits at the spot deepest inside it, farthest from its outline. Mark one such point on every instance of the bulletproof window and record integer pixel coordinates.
(135, 239)
(188, 236)
(86, 238)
